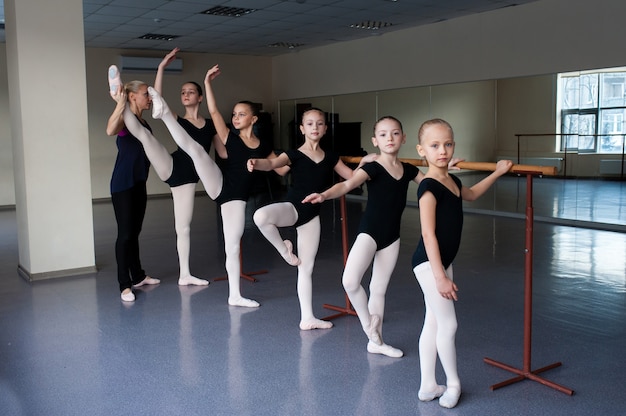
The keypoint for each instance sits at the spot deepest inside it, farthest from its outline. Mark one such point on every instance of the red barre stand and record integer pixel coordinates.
(343, 310)
(526, 372)
(243, 275)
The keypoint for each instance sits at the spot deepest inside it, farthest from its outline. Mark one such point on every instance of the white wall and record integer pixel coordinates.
(7, 187)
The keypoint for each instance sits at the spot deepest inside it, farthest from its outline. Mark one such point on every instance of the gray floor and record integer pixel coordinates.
(71, 347)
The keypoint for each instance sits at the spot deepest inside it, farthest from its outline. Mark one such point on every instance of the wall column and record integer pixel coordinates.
(48, 105)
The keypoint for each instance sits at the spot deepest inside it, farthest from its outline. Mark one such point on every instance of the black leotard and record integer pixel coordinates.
(237, 180)
(308, 177)
(385, 203)
(448, 221)
(183, 171)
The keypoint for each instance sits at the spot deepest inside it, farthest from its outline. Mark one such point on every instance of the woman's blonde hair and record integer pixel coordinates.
(133, 86)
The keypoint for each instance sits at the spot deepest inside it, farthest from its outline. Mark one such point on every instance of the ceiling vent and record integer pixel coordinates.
(228, 11)
(371, 25)
(288, 45)
(157, 36)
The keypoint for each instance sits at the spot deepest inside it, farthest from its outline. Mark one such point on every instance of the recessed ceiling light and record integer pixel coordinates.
(371, 25)
(157, 36)
(228, 11)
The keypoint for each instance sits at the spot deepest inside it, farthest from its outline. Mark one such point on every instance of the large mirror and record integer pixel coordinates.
(518, 118)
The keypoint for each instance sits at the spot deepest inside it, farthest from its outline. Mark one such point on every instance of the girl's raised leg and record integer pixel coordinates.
(157, 154)
(269, 218)
(208, 171)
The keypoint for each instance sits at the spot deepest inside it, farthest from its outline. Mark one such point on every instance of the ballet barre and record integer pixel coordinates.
(484, 166)
(526, 371)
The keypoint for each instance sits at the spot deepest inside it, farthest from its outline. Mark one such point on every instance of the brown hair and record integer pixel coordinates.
(308, 110)
(387, 118)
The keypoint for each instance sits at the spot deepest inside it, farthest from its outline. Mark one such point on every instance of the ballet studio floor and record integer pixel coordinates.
(69, 346)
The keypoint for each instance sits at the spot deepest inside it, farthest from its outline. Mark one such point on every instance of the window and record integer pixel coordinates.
(592, 111)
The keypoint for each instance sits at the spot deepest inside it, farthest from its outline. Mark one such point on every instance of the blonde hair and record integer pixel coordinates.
(133, 86)
(432, 122)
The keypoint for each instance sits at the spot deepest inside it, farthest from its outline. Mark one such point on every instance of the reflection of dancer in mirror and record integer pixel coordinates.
(231, 188)
(378, 238)
(440, 197)
(311, 171)
(128, 182)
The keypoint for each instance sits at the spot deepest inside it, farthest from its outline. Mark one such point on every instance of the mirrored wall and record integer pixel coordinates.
(494, 119)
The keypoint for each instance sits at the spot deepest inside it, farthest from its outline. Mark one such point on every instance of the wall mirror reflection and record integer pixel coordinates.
(573, 121)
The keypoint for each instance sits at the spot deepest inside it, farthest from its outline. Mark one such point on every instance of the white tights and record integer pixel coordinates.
(362, 253)
(183, 196)
(283, 214)
(438, 333)
(233, 212)
(208, 171)
(157, 154)
(233, 222)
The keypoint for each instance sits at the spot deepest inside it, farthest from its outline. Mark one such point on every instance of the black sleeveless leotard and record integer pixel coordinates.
(238, 181)
(448, 221)
(183, 170)
(385, 203)
(308, 177)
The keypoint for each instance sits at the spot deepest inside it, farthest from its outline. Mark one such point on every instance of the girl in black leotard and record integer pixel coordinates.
(378, 239)
(178, 170)
(311, 171)
(441, 197)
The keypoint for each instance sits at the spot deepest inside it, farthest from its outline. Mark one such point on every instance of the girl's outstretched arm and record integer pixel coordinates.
(218, 120)
(476, 191)
(346, 172)
(167, 59)
(271, 163)
(339, 189)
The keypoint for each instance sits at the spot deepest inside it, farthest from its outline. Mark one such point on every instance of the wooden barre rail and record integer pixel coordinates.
(486, 166)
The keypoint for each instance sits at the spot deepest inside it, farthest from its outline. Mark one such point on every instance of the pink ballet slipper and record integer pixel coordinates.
(159, 106)
(291, 258)
(115, 80)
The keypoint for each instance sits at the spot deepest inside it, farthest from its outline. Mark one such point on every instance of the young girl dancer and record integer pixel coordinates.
(440, 197)
(178, 169)
(128, 182)
(311, 171)
(378, 238)
(231, 188)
